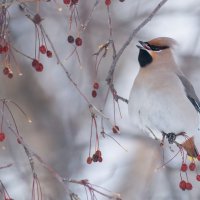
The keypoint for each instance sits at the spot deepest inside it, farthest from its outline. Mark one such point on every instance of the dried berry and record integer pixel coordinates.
(49, 54)
(78, 41)
(95, 158)
(94, 93)
(96, 85)
(70, 39)
(115, 129)
(6, 70)
(198, 177)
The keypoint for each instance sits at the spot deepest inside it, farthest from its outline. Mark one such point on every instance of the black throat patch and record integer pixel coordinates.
(144, 58)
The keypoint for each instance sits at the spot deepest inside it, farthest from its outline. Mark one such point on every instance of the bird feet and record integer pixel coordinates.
(171, 137)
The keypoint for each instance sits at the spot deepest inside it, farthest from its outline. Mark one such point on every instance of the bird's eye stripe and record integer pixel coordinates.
(157, 48)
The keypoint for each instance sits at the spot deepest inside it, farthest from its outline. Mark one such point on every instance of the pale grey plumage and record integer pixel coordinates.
(162, 99)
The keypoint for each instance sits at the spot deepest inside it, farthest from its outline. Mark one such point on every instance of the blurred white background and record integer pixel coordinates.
(61, 120)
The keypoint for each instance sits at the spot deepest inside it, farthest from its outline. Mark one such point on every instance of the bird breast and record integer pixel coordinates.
(158, 101)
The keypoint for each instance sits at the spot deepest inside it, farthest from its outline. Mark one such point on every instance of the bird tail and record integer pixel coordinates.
(190, 147)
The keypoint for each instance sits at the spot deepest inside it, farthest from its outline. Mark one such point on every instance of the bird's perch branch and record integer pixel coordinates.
(109, 78)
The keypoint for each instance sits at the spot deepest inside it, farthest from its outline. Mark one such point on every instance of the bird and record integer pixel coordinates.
(162, 101)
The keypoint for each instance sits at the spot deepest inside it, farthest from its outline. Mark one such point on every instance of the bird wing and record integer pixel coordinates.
(190, 92)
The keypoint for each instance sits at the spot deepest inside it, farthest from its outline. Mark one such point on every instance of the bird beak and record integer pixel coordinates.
(144, 46)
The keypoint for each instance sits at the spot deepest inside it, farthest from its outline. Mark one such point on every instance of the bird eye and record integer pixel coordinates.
(157, 48)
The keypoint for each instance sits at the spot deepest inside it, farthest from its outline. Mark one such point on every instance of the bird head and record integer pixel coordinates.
(157, 50)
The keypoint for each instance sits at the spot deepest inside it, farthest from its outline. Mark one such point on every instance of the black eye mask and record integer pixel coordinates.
(157, 48)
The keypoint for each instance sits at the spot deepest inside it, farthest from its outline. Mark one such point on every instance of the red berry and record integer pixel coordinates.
(96, 85)
(49, 54)
(188, 186)
(42, 49)
(78, 41)
(198, 177)
(2, 137)
(107, 2)
(192, 166)
(182, 185)
(198, 157)
(70, 39)
(66, 1)
(6, 70)
(89, 160)
(95, 158)
(184, 167)
(98, 153)
(10, 74)
(34, 62)
(5, 48)
(100, 159)
(115, 129)
(39, 67)
(94, 93)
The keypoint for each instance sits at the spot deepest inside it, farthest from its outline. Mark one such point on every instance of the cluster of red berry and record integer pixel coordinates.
(78, 40)
(37, 65)
(44, 50)
(95, 88)
(2, 137)
(97, 157)
(186, 185)
(8, 72)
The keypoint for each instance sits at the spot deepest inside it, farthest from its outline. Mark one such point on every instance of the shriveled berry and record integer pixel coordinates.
(96, 85)
(2, 137)
(115, 129)
(42, 49)
(37, 19)
(184, 167)
(198, 177)
(6, 70)
(192, 166)
(100, 159)
(89, 160)
(107, 2)
(94, 93)
(95, 158)
(49, 54)
(98, 153)
(34, 62)
(10, 74)
(66, 1)
(78, 41)
(188, 186)
(70, 39)
(182, 185)
(39, 67)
